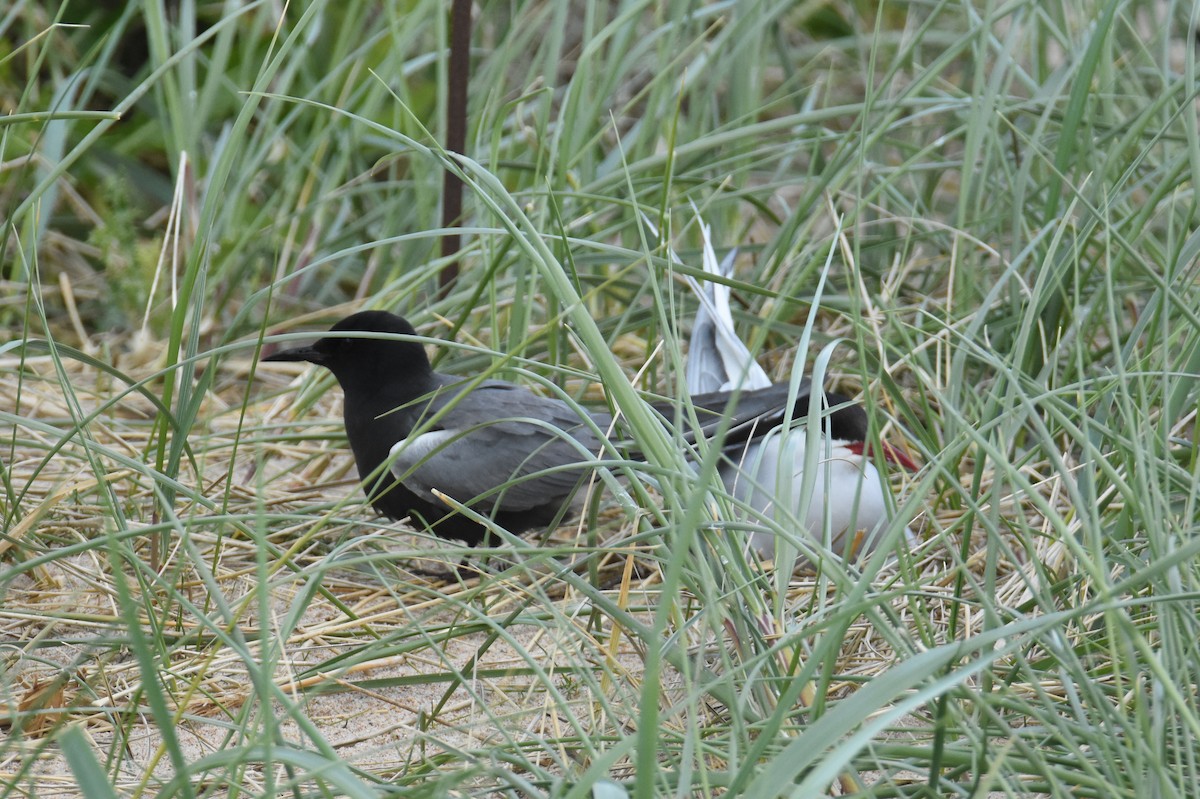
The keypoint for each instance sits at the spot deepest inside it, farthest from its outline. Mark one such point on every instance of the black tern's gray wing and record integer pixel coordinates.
(497, 434)
(755, 413)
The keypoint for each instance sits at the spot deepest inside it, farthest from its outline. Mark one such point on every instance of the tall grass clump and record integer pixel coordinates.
(981, 218)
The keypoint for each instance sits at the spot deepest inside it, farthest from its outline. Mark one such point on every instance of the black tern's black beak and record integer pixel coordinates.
(310, 354)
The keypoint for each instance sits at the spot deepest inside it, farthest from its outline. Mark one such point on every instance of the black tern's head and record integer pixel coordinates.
(361, 362)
